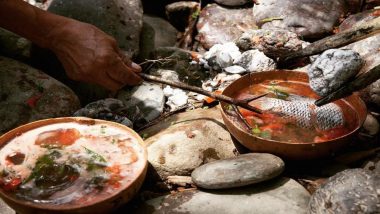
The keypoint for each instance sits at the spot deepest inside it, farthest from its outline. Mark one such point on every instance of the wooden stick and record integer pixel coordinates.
(198, 90)
(362, 81)
(338, 40)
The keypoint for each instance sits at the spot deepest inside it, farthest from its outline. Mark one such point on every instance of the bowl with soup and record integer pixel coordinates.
(70, 165)
(290, 125)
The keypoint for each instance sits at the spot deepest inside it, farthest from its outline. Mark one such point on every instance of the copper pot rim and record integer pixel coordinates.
(82, 120)
(354, 95)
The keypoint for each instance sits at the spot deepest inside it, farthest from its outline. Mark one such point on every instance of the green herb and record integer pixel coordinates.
(113, 141)
(278, 93)
(270, 19)
(93, 164)
(102, 129)
(43, 162)
(196, 14)
(229, 107)
(95, 156)
(256, 130)
(266, 134)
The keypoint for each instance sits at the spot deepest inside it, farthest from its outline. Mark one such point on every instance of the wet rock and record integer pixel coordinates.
(120, 18)
(27, 94)
(307, 18)
(220, 81)
(108, 109)
(236, 172)
(183, 142)
(219, 25)
(222, 55)
(358, 19)
(233, 2)
(180, 13)
(149, 98)
(279, 196)
(350, 191)
(332, 69)
(371, 125)
(14, 46)
(256, 61)
(273, 42)
(165, 33)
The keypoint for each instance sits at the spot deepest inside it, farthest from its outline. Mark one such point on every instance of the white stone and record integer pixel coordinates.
(235, 69)
(256, 61)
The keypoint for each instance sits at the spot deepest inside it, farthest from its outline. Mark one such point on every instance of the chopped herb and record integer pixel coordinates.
(94, 164)
(95, 156)
(43, 162)
(229, 107)
(278, 93)
(113, 141)
(256, 130)
(266, 134)
(103, 129)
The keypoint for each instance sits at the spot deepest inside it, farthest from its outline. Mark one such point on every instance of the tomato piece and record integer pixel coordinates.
(246, 113)
(12, 185)
(60, 137)
(273, 127)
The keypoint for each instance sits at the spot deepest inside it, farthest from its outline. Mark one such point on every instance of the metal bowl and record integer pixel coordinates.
(106, 205)
(286, 150)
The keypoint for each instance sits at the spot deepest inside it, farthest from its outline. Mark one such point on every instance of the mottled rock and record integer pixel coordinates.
(222, 55)
(307, 18)
(165, 33)
(233, 2)
(219, 25)
(108, 109)
(148, 97)
(273, 43)
(358, 19)
(236, 172)
(256, 61)
(14, 46)
(180, 13)
(350, 191)
(332, 69)
(281, 196)
(177, 98)
(27, 94)
(120, 18)
(183, 142)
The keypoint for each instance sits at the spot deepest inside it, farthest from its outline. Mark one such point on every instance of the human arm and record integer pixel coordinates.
(87, 53)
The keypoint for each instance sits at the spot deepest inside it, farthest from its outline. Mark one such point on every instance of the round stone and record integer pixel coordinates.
(236, 172)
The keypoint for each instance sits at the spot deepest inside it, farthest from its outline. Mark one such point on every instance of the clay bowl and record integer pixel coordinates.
(286, 150)
(108, 204)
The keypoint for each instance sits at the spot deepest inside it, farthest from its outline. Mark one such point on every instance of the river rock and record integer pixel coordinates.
(256, 61)
(220, 81)
(123, 19)
(108, 109)
(273, 43)
(307, 18)
(149, 99)
(374, 92)
(371, 125)
(222, 55)
(27, 94)
(350, 191)
(236, 172)
(219, 25)
(185, 141)
(179, 13)
(234, 3)
(14, 46)
(280, 196)
(332, 69)
(165, 33)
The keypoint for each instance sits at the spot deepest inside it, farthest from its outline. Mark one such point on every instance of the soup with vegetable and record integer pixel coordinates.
(289, 113)
(70, 163)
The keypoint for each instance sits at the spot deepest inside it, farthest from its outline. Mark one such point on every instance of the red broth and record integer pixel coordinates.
(273, 126)
(69, 163)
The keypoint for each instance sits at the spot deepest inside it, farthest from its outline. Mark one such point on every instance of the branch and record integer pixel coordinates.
(338, 40)
(220, 97)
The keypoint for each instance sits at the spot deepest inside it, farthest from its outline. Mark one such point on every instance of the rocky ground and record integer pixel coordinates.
(209, 44)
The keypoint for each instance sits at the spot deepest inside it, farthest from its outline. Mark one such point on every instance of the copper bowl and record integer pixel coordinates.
(107, 205)
(286, 150)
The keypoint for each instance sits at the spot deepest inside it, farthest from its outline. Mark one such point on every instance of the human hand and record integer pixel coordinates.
(90, 55)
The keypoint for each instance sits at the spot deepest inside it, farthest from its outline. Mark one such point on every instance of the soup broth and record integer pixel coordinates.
(70, 163)
(289, 113)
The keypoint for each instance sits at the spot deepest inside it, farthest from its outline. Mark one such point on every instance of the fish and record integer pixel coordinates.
(302, 111)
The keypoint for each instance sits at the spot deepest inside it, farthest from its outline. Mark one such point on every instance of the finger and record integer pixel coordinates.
(124, 74)
(128, 62)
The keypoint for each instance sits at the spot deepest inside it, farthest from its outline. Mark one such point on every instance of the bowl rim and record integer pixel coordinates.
(84, 120)
(355, 94)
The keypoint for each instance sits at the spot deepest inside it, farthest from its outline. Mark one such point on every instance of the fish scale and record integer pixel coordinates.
(302, 111)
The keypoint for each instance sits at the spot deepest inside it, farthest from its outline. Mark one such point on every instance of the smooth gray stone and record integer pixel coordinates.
(240, 171)
(280, 196)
